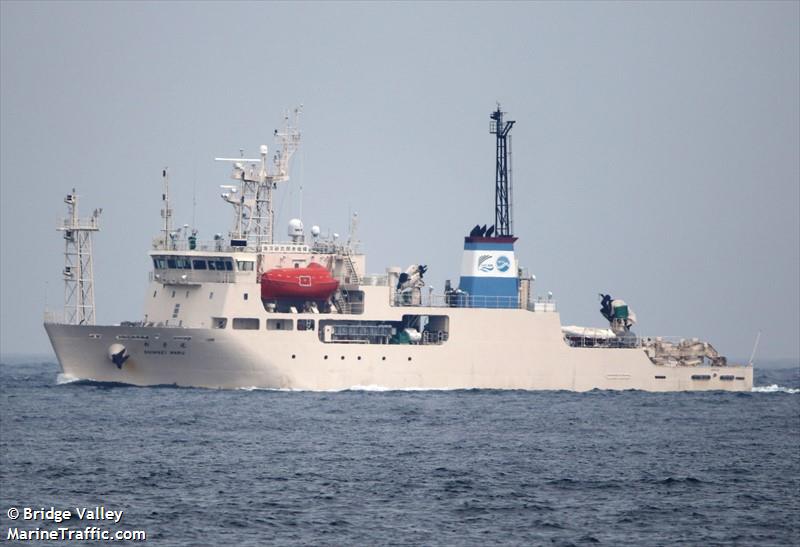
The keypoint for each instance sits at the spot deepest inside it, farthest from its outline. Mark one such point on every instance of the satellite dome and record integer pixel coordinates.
(315, 231)
(295, 227)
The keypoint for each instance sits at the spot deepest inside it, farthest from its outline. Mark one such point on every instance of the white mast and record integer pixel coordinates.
(352, 239)
(78, 271)
(166, 210)
(254, 209)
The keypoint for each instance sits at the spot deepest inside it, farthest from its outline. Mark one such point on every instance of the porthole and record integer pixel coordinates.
(383, 358)
(359, 358)
(293, 356)
(342, 357)
(325, 357)
(409, 358)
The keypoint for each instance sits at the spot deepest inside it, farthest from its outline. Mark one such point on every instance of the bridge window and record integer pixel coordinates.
(174, 262)
(245, 265)
(221, 264)
(199, 264)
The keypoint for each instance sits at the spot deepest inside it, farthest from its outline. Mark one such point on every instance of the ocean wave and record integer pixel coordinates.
(62, 378)
(775, 388)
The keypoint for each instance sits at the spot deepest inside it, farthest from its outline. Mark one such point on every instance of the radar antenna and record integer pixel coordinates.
(78, 274)
(255, 212)
(502, 201)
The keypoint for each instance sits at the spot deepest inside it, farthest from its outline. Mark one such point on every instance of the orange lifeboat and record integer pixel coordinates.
(313, 282)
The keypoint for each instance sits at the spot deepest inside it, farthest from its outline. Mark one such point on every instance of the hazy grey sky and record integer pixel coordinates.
(655, 151)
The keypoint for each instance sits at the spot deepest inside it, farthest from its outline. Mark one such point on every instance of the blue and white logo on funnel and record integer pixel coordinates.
(485, 264)
(489, 274)
(503, 263)
(488, 263)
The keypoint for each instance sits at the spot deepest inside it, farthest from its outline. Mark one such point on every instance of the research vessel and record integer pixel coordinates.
(247, 311)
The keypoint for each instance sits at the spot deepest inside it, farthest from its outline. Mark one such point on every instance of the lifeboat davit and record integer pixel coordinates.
(313, 282)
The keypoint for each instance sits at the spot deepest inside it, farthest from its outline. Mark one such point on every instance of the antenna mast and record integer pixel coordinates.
(352, 239)
(78, 271)
(166, 210)
(254, 206)
(502, 206)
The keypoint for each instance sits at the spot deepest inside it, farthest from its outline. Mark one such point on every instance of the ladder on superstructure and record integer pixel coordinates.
(340, 300)
(78, 271)
(351, 275)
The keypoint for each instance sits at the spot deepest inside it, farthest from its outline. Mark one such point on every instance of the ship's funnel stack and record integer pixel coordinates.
(489, 273)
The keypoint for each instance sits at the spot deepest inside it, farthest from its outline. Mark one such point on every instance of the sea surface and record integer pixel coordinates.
(206, 467)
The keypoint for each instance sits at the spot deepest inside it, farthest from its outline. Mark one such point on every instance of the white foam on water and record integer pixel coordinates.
(371, 387)
(775, 388)
(256, 388)
(62, 378)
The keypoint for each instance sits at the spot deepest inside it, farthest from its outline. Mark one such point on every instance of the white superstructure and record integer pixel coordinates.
(245, 310)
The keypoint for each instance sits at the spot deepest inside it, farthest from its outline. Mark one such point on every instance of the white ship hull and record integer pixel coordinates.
(527, 352)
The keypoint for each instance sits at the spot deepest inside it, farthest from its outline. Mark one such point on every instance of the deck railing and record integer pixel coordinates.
(430, 300)
(193, 277)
